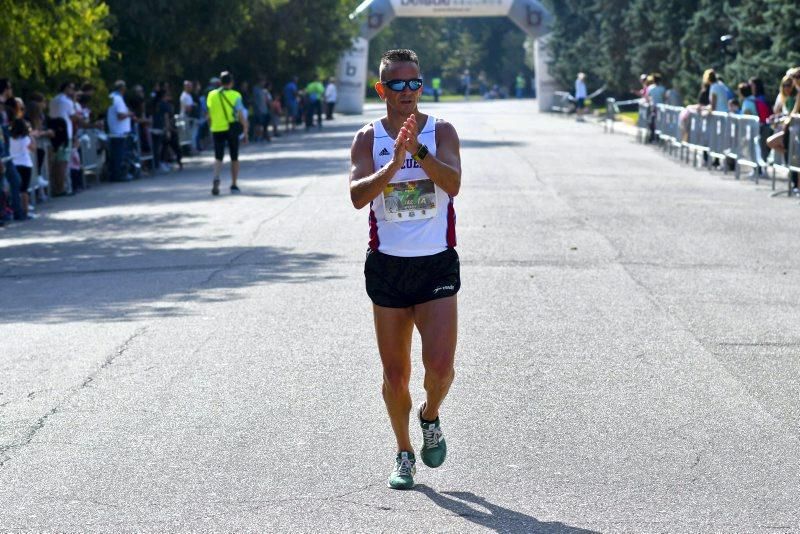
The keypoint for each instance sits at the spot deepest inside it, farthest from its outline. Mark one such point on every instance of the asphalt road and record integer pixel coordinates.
(627, 360)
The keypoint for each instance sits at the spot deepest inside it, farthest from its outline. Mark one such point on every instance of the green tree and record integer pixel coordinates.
(168, 39)
(301, 37)
(46, 40)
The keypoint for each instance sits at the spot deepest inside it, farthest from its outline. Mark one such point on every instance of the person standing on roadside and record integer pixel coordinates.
(314, 92)
(407, 167)
(290, 100)
(228, 122)
(330, 98)
(519, 85)
(187, 101)
(580, 96)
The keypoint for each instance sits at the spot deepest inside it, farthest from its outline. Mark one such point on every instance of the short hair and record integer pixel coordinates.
(119, 84)
(744, 89)
(657, 77)
(398, 55)
(63, 86)
(225, 77)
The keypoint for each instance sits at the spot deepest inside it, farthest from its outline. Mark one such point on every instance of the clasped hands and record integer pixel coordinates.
(406, 140)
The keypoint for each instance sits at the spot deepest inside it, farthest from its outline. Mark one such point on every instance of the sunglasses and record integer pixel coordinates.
(399, 85)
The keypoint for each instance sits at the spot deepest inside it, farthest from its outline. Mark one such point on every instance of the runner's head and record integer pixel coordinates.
(400, 84)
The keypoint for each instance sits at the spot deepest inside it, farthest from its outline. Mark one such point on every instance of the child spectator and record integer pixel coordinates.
(748, 100)
(22, 148)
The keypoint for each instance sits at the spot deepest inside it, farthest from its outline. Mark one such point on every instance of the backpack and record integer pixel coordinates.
(763, 110)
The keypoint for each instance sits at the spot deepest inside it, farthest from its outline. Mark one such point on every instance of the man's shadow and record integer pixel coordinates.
(481, 512)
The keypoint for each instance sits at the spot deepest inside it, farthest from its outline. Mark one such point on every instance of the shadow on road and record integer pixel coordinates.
(482, 512)
(478, 143)
(104, 278)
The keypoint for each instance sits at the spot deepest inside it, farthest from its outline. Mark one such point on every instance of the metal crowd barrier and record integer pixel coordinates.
(611, 115)
(186, 127)
(723, 136)
(668, 126)
(44, 144)
(145, 157)
(92, 153)
(643, 122)
(697, 136)
(562, 102)
(748, 144)
(719, 141)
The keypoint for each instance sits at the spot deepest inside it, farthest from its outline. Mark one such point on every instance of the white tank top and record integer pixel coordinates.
(413, 216)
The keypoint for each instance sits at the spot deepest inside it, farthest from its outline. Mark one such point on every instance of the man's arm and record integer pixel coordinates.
(365, 182)
(445, 167)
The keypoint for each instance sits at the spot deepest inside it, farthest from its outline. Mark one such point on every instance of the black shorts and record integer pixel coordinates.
(220, 139)
(398, 282)
(580, 103)
(24, 178)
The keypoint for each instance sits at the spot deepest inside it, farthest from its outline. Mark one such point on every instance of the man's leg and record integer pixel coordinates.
(393, 328)
(234, 172)
(437, 322)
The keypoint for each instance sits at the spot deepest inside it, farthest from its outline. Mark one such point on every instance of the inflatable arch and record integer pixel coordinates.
(529, 15)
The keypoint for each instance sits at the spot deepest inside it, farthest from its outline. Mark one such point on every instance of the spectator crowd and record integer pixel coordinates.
(45, 143)
(751, 97)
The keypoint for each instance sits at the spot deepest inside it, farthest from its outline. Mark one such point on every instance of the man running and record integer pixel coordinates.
(407, 167)
(228, 121)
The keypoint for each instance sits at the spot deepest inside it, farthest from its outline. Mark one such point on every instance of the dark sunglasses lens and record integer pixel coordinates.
(396, 85)
(414, 84)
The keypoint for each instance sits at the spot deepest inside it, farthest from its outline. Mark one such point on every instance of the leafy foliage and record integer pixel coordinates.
(447, 47)
(613, 41)
(45, 40)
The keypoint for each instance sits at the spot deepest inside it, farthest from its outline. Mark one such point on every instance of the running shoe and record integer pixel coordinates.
(402, 476)
(434, 448)
(235, 189)
(215, 188)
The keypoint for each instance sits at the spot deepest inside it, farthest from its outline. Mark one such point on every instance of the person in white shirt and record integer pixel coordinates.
(119, 128)
(21, 149)
(62, 106)
(580, 96)
(330, 98)
(186, 100)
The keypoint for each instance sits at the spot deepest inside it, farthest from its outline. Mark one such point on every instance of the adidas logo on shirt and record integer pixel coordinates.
(384, 152)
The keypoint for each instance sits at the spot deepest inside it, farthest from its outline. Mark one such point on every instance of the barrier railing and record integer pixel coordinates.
(734, 139)
(668, 127)
(92, 153)
(748, 145)
(643, 122)
(697, 135)
(186, 127)
(611, 115)
(562, 102)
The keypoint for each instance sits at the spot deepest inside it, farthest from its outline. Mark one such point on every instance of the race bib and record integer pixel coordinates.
(409, 201)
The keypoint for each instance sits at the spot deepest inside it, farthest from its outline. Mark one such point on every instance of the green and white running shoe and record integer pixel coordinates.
(405, 468)
(434, 448)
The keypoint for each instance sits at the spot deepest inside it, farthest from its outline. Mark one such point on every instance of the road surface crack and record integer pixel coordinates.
(6, 449)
